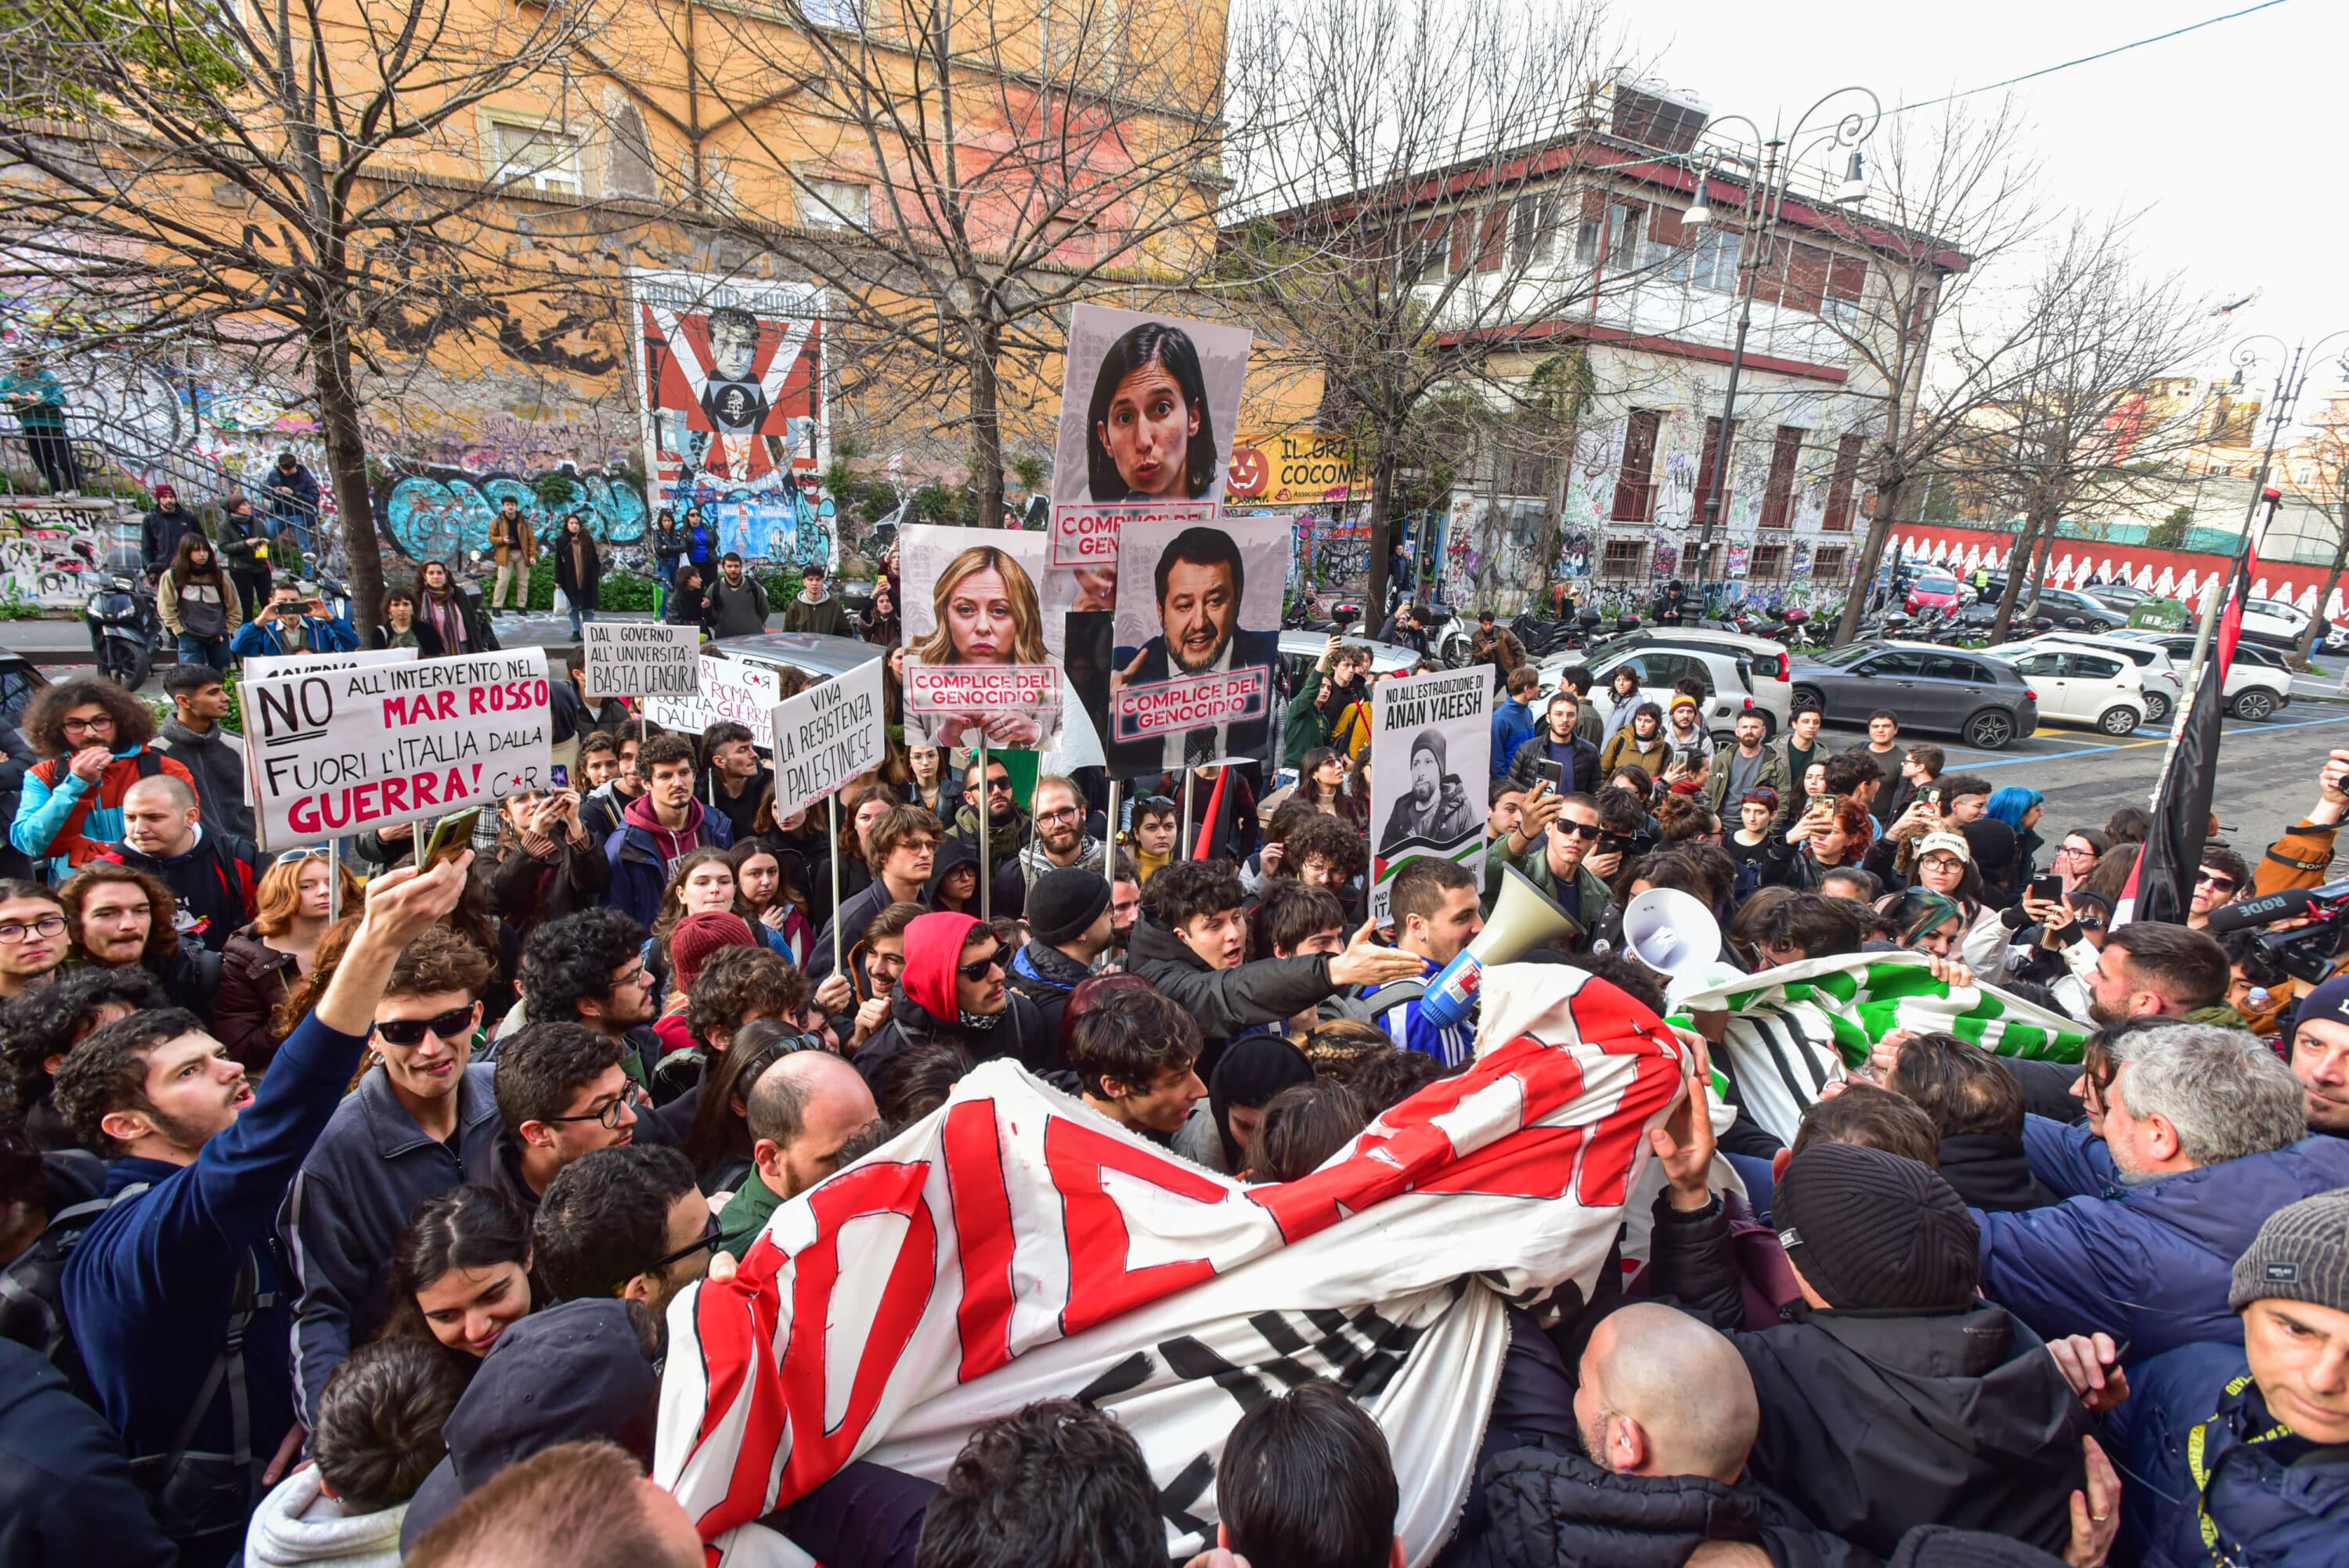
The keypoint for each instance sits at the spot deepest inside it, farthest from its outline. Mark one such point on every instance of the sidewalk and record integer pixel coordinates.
(67, 641)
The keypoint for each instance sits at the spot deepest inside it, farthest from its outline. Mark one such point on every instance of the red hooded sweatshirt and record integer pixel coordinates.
(933, 949)
(673, 845)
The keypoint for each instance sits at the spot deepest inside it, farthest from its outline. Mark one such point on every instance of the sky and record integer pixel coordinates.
(2231, 138)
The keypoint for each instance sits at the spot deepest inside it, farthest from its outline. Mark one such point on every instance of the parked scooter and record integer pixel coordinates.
(124, 630)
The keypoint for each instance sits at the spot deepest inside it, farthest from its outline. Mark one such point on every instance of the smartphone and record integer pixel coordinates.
(451, 834)
(2048, 889)
(562, 776)
(1553, 773)
(1824, 805)
(1931, 795)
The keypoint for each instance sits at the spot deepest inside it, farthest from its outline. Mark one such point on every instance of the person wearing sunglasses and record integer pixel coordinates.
(2223, 877)
(1566, 828)
(954, 991)
(629, 1222)
(422, 1119)
(32, 935)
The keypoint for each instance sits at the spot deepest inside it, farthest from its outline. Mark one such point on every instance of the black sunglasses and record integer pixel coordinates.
(708, 1244)
(457, 1024)
(980, 968)
(1579, 830)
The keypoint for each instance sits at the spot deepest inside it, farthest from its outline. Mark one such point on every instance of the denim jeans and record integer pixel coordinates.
(577, 615)
(213, 651)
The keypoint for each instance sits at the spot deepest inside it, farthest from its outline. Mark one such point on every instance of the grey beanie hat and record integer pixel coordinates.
(2302, 1254)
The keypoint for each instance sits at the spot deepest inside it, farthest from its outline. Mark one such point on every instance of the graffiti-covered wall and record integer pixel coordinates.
(49, 554)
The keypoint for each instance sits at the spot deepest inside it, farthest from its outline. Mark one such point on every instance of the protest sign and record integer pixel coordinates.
(826, 736)
(975, 628)
(1430, 753)
(1149, 405)
(330, 753)
(1220, 616)
(263, 667)
(640, 659)
(744, 692)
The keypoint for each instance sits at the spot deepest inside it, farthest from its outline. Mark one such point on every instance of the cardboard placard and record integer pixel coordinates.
(640, 659)
(1430, 758)
(827, 735)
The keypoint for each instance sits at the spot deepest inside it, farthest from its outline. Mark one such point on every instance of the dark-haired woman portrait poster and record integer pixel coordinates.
(1148, 408)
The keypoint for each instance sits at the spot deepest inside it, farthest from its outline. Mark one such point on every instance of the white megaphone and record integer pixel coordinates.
(1524, 917)
(1675, 935)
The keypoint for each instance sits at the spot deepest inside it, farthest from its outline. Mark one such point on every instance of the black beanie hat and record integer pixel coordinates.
(1064, 902)
(1874, 1231)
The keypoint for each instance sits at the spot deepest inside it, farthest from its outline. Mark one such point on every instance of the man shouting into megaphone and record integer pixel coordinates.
(1434, 907)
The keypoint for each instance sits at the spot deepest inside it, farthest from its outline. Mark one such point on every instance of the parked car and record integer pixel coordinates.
(2274, 623)
(2257, 685)
(2066, 606)
(1933, 591)
(1983, 700)
(2121, 596)
(2163, 682)
(1738, 673)
(2085, 686)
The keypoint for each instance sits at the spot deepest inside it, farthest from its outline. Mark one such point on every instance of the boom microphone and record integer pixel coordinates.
(2246, 912)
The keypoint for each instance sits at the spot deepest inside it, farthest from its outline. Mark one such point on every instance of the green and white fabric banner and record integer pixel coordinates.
(1797, 1028)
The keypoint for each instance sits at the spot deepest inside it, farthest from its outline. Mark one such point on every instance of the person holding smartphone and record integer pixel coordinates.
(294, 621)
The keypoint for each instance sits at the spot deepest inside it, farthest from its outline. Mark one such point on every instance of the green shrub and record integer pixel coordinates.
(625, 591)
(542, 584)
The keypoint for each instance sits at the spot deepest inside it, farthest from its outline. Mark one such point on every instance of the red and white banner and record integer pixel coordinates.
(1084, 534)
(1165, 708)
(1016, 1246)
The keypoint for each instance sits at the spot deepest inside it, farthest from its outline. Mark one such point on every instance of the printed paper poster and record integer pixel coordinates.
(1430, 753)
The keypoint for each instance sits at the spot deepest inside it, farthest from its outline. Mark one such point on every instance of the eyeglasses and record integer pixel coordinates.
(1062, 815)
(609, 1115)
(978, 969)
(1579, 830)
(2216, 882)
(314, 853)
(48, 926)
(103, 721)
(708, 1244)
(453, 1025)
(2066, 852)
(636, 975)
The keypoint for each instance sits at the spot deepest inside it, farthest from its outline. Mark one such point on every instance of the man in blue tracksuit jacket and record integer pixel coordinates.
(1434, 905)
(421, 1121)
(291, 623)
(202, 1165)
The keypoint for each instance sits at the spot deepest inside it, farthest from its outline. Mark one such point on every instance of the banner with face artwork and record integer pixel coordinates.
(981, 656)
(1014, 1245)
(731, 369)
(1149, 407)
(1194, 671)
(1431, 749)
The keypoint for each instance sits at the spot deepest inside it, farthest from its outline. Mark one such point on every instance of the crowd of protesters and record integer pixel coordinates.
(344, 1197)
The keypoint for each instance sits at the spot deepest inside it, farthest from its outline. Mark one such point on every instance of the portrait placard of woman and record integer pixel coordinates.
(1150, 434)
(984, 612)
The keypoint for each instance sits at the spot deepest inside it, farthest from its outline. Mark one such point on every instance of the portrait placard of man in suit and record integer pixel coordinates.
(1199, 586)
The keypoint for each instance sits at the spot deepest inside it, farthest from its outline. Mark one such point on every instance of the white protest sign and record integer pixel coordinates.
(335, 752)
(640, 659)
(264, 666)
(1431, 750)
(743, 693)
(826, 736)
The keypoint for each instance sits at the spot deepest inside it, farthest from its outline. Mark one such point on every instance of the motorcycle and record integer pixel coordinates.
(124, 630)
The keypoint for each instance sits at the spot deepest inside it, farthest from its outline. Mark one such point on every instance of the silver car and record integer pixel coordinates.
(1737, 673)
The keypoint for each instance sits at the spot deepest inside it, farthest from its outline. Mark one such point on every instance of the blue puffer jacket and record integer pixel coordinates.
(2273, 1500)
(2148, 1265)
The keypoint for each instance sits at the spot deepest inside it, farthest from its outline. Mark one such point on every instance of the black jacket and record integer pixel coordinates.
(1022, 1036)
(581, 590)
(1046, 977)
(1993, 1172)
(1551, 1509)
(1225, 1001)
(1525, 767)
(1873, 1423)
(67, 1500)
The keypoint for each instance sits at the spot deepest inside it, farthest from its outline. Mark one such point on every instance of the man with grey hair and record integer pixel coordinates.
(2204, 1135)
(808, 1114)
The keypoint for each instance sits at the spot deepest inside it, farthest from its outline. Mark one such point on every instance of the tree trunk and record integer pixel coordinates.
(338, 420)
(1383, 483)
(1888, 498)
(2316, 620)
(2018, 563)
(987, 426)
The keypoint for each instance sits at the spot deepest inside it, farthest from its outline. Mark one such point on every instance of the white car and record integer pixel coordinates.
(2164, 682)
(1737, 673)
(2096, 687)
(2273, 622)
(2257, 685)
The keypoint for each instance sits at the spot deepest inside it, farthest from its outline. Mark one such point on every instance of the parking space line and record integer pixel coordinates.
(2159, 740)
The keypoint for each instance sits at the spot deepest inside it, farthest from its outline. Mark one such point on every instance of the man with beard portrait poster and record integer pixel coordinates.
(1198, 608)
(1431, 739)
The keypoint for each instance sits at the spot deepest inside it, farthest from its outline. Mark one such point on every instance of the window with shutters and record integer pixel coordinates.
(1779, 496)
(1706, 461)
(1831, 563)
(1625, 558)
(1718, 253)
(1770, 273)
(1635, 482)
(1429, 251)
(1847, 280)
(1841, 485)
(540, 156)
(1625, 225)
(1533, 231)
(1492, 238)
(1769, 561)
(1807, 278)
(1590, 227)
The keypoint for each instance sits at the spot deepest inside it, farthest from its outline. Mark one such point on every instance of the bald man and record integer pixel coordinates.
(212, 875)
(1663, 1394)
(810, 1114)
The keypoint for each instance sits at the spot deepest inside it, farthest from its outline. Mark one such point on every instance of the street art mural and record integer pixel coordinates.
(49, 557)
(443, 514)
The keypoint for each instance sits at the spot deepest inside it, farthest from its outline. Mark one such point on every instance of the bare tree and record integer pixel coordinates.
(2074, 431)
(2329, 492)
(1407, 209)
(272, 181)
(985, 168)
(1955, 198)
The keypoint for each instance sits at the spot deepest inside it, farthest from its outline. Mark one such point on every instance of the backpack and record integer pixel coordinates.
(33, 1296)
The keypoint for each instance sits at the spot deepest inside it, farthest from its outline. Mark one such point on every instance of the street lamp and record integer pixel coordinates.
(1764, 205)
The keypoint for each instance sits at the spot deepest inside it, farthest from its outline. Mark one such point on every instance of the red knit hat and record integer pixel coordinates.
(697, 937)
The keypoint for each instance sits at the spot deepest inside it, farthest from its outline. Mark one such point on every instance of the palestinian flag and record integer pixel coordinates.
(1797, 1028)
